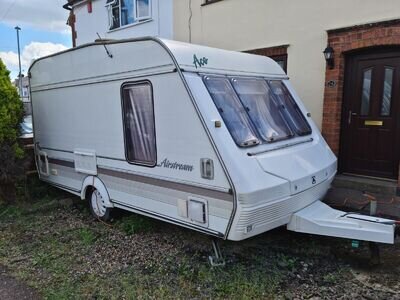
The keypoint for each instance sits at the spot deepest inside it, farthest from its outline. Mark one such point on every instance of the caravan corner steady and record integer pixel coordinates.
(212, 140)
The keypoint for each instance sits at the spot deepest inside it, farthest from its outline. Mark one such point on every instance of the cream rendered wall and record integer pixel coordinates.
(244, 25)
(87, 24)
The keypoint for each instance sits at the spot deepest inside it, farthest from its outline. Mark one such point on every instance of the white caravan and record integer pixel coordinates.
(212, 140)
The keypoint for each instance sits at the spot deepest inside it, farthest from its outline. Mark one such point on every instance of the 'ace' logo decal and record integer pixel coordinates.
(199, 62)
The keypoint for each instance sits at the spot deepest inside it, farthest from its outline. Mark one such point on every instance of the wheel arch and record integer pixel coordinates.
(93, 182)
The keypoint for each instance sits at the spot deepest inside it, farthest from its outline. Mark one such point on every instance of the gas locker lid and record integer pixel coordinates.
(304, 165)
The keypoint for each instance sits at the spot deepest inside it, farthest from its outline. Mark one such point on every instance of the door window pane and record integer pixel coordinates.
(231, 110)
(262, 108)
(387, 92)
(289, 108)
(138, 112)
(366, 92)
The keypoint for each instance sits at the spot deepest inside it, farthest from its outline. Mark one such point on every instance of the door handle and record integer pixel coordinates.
(351, 114)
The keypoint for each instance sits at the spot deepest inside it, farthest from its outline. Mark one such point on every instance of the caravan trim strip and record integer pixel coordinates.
(183, 187)
(192, 189)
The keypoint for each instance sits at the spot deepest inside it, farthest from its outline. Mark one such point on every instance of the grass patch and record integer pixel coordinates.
(10, 212)
(87, 236)
(286, 261)
(59, 249)
(133, 223)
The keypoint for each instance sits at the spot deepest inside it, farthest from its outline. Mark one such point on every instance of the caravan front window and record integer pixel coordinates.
(139, 123)
(291, 110)
(255, 109)
(231, 110)
(262, 108)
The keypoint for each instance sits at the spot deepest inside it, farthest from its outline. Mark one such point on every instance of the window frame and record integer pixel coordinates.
(136, 83)
(141, 19)
(137, 20)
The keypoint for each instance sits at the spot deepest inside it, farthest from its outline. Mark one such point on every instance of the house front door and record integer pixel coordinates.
(371, 114)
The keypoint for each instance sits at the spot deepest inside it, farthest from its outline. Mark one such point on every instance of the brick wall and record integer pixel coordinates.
(271, 51)
(278, 53)
(344, 41)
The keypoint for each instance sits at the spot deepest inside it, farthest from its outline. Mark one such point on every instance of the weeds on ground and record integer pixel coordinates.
(87, 236)
(133, 223)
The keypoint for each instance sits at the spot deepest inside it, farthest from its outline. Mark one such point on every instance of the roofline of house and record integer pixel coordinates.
(70, 3)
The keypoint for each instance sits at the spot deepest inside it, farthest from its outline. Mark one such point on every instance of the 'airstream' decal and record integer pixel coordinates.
(199, 62)
(175, 165)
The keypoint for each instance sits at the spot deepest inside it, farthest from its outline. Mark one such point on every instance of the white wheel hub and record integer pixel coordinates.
(98, 204)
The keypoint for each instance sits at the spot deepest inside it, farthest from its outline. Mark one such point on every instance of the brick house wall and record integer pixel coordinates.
(344, 41)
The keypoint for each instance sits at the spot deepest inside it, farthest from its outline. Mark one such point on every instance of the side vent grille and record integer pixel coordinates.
(207, 168)
(197, 211)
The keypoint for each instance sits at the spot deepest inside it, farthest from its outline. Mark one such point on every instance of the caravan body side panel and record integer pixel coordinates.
(82, 111)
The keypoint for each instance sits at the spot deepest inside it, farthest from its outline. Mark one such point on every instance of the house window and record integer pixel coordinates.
(139, 123)
(125, 12)
(281, 60)
(278, 54)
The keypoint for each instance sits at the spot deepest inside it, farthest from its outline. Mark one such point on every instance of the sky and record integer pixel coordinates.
(43, 31)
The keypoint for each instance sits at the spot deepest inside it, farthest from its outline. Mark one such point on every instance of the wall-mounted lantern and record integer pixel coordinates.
(328, 53)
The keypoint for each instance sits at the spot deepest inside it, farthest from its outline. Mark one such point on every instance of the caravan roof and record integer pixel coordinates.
(222, 61)
(147, 53)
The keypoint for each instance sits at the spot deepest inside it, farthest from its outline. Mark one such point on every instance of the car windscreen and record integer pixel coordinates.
(231, 110)
(264, 110)
(256, 110)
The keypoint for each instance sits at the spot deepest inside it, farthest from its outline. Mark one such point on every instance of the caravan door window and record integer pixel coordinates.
(231, 110)
(263, 109)
(139, 123)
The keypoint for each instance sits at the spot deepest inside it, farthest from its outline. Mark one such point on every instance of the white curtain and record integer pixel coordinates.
(139, 124)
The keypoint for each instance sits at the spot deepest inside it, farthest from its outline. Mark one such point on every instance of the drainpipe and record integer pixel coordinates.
(71, 21)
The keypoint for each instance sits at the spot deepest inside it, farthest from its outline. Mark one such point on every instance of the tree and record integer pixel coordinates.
(11, 152)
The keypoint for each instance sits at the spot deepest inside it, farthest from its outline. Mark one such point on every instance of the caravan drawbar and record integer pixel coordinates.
(213, 140)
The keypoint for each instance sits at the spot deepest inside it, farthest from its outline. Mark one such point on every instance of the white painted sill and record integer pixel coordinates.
(130, 25)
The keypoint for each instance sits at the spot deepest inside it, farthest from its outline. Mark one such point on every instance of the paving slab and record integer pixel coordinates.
(354, 200)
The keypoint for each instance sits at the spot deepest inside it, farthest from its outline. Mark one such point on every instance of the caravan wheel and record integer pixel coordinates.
(97, 206)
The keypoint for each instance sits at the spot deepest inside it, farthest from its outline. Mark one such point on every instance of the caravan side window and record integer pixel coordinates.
(139, 123)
